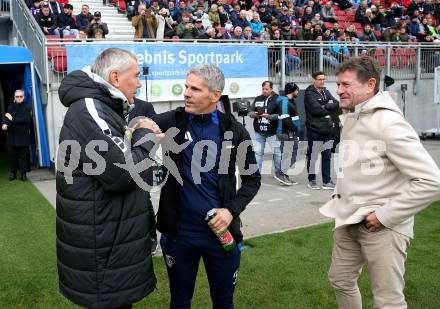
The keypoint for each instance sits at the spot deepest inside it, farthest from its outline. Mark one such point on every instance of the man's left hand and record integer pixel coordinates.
(372, 223)
(221, 221)
(9, 116)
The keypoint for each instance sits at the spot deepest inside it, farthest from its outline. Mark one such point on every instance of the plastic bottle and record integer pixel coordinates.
(225, 237)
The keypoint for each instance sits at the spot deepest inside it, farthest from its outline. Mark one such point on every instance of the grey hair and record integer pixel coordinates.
(212, 75)
(112, 59)
(19, 90)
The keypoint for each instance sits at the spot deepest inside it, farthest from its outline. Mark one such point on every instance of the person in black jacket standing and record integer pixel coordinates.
(16, 124)
(104, 215)
(215, 144)
(319, 104)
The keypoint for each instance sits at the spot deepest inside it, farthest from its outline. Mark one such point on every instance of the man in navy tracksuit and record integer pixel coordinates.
(208, 181)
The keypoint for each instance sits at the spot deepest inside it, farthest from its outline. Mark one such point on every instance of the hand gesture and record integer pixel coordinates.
(221, 220)
(9, 116)
(4, 127)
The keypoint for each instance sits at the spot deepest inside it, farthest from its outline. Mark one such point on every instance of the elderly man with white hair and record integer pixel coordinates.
(105, 220)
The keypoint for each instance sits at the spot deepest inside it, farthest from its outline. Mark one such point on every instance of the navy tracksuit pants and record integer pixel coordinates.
(182, 257)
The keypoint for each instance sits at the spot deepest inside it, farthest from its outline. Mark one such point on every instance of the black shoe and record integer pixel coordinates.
(12, 177)
(23, 177)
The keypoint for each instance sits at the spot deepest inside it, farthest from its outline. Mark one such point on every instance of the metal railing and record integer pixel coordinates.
(5, 6)
(29, 35)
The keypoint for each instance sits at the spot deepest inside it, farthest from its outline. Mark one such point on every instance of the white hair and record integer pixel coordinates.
(112, 59)
(19, 90)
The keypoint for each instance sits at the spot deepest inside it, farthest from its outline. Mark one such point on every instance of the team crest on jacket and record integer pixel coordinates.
(169, 260)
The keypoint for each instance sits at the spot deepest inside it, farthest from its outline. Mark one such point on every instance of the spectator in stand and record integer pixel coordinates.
(223, 15)
(165, 23)
(359, 16)
(247, 34)
(199, 25)
(238, 34)
(307, 16)
(428, 7)
(218, 31)
(317, 6)
(368, 17)
(46, 20)
(350, 31)
(317, 20)
(265, 17)
(273, 26)
(306, 33)
(154, 7)
(336, 30)
(235, 14)
(328, 13)
(55, 7)
(318, 33)
(209, 34)
(145, 24)
(437, 10)
(213, 14)
(284, 16)
(286, 32)
(400, 36)
(227, 35)
(84, 18)
(36, 8)
(367, 35)
(96, 23)
(241, 21)
(256, 26)
(395, 10)
(272, 9)
(66, 23)
(387, 34)
(379, 20)
(250, 13)
(431, 28)
(416, 29)
(173, 11)
(186, 29)
(99, 34)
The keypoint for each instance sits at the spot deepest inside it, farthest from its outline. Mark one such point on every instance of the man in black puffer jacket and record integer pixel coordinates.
(104, 218)
(319, 104)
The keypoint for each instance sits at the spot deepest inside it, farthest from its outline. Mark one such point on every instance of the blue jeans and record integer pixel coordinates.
(66, 32)
(259, 150)
(182, 258)
(292, 64)
(319, 143)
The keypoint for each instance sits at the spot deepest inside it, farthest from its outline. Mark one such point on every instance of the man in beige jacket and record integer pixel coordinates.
(385, 177)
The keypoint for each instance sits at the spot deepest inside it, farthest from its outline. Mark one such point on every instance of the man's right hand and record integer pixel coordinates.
(147, 123)
(4, 127)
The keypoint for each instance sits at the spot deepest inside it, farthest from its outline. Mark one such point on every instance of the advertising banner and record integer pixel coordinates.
(245, 65)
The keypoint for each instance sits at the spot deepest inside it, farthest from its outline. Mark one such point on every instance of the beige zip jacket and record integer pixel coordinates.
(382, 167)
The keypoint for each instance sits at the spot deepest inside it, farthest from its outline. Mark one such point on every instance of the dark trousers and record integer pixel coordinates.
(319, 143)
(182, 257)
(19, 157)
(123, 307)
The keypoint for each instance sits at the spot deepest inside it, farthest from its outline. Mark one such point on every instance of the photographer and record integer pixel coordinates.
(186, 29)
(96, 24)
(165, 24)
(264, 111)
(145, 24)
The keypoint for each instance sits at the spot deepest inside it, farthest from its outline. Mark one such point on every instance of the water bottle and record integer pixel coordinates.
(225, 237)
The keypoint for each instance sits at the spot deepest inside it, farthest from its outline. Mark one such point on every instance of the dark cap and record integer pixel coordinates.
(290, 87)
(68, 6)
(97, 14)
(285, 24)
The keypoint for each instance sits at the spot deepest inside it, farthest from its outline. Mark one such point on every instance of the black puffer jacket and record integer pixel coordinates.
(104, 220)
(318, 107)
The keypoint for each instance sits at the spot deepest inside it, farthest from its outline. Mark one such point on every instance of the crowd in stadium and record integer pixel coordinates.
(313, 20)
